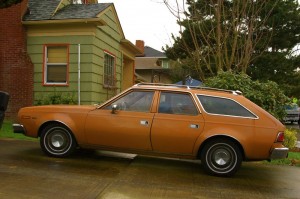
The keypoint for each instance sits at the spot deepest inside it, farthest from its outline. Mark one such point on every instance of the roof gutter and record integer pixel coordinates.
(97, 21)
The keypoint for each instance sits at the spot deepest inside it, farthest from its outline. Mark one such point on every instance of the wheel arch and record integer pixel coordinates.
(45, 124)
(221, 137)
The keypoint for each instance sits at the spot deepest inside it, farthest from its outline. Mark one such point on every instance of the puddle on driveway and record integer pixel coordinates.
(25, 172)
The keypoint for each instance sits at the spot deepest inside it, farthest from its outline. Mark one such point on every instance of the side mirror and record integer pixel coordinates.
(114, 108)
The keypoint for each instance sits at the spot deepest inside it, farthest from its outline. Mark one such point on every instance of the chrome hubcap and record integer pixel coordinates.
(221, 157)
(57, 140)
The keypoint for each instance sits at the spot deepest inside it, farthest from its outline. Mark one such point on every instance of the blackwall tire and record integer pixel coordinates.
(221, 157)
(57, 141)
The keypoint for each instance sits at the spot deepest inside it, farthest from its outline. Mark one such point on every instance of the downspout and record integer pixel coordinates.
(78, 74)
(122, 72)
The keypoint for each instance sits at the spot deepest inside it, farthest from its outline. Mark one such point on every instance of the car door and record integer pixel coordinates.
(127, 127)
(177, 124)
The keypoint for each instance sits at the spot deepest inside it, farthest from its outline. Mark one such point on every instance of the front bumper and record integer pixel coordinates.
(279, 153)
(19, 128)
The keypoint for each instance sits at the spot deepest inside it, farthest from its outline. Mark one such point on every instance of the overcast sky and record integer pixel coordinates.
(148, 20)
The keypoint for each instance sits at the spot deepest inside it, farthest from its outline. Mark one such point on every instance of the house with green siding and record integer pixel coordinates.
(78, 50)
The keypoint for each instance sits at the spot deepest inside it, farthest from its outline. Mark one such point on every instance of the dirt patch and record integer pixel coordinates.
(295, 150)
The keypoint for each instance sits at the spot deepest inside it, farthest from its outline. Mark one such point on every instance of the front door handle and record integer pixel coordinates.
(194, 126)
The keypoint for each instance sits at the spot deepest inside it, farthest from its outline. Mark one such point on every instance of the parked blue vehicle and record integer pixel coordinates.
(292, 113)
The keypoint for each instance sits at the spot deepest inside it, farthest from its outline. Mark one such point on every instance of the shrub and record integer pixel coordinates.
(267, 95)
(56, 98)
(290, 138)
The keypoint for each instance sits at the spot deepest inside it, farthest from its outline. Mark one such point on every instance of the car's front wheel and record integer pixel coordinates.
(57, 141)
(221, 157)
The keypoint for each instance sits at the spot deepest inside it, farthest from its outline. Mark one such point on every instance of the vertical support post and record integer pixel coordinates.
(79, 100)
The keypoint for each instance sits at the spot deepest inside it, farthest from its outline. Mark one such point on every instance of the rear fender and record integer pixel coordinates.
(225, 137)
(220, 133)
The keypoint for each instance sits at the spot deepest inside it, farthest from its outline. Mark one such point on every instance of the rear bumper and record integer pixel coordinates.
(19, 128)
(279, 153)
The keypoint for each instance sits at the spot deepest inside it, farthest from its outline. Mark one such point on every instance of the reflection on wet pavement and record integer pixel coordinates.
(25, 172)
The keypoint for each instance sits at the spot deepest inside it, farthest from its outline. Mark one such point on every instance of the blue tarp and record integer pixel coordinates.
(190, 82)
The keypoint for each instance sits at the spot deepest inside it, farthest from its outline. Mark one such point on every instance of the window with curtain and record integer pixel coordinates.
(109, 70)
(56, 65)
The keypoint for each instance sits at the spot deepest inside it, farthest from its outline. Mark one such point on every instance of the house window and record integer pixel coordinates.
(109, 70)
(165, 64)
(56, 65)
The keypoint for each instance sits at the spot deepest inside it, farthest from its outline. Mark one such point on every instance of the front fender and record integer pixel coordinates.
(74, 122)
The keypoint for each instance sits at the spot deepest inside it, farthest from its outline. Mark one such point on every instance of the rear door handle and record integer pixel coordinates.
(144, 122)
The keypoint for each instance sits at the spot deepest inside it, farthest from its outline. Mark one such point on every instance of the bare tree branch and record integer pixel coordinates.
(223, 35)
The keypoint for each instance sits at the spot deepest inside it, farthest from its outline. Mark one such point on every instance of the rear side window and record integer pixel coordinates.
(176, 103)
(224, 106)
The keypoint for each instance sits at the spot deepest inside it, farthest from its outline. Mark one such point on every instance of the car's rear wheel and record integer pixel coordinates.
(57, 141)
(221, 157)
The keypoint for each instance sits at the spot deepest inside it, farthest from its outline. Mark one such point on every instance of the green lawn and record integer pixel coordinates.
(7, 132)
(292, 160)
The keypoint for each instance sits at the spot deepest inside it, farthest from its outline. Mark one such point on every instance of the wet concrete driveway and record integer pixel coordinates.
(25, 172)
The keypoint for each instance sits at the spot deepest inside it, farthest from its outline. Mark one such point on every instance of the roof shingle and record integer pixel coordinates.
(44, 9)
(151, 52)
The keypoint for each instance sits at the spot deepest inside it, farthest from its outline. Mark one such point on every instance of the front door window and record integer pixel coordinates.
(138, 101)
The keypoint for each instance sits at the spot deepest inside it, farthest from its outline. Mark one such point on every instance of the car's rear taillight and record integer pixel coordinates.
(280, 137)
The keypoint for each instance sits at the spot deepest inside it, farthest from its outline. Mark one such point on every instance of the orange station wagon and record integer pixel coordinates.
(222, 128)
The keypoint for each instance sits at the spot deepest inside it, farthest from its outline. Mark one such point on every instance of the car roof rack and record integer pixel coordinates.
(236, 92)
